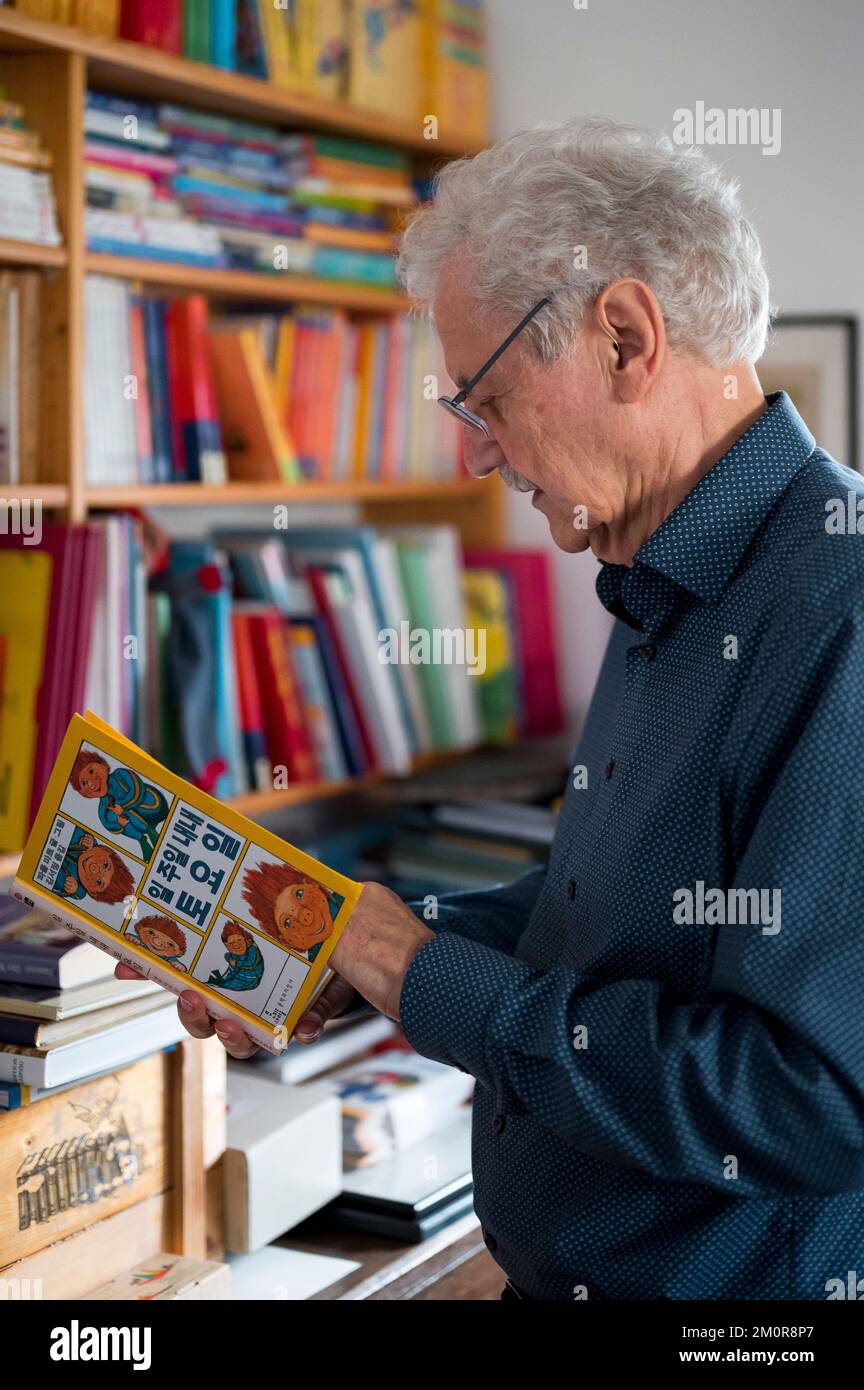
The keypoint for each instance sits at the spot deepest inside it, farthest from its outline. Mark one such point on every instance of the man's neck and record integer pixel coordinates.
(682, 463)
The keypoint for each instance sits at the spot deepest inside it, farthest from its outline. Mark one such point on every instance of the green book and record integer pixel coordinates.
(434, 690)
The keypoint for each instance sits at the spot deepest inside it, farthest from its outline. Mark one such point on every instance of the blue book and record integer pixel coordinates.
(157, 381)
(268, 202)
(223, 34)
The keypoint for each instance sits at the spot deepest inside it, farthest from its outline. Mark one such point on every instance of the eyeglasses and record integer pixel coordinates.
(454, 403)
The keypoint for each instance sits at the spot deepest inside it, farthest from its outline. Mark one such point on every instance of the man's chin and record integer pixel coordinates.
(564, 534)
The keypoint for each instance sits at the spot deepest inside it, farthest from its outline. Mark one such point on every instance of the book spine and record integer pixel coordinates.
(136, 959)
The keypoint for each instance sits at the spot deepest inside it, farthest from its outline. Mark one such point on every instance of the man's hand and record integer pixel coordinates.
(372, 956)
(379, 943)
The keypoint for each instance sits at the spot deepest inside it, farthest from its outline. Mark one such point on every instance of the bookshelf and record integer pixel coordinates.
(49, 67)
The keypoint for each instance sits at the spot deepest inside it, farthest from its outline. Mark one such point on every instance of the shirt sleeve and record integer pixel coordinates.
(495, 917)
(757, 1086)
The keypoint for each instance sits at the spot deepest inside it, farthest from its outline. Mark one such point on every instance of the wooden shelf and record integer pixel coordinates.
(247, 284)
(136, 70)
(261, 803)
(31, 253)
(49, 494)
(238, 494)
(254, 804)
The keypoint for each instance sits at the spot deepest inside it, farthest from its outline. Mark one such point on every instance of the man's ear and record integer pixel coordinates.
(630, 311)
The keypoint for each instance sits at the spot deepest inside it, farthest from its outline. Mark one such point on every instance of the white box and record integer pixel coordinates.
(283, 1158)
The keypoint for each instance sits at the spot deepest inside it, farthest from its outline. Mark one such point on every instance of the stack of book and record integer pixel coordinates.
(20, 375)
(63, 1015)
(257, 661)
(175, 395)
(27, 211)
(169, 182)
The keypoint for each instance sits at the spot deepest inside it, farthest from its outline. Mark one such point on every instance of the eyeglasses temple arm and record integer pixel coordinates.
(466, 390)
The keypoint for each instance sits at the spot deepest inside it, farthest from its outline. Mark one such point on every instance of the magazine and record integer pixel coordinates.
(180, 887)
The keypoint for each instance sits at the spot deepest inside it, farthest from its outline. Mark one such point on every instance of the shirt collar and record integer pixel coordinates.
(699, 545)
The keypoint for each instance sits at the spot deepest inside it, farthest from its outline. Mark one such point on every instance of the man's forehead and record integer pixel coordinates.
(467, 335)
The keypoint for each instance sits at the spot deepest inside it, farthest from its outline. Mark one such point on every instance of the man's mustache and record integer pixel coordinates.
(515, 480)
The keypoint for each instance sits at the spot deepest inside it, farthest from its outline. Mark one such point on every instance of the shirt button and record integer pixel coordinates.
(649, 651)
(498, 1124)
(610, 768)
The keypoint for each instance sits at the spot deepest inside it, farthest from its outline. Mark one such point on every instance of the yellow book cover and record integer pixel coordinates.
(180, 887)
(284, 363)
(26, 573)
(386, 60)
(365, 372)
(275, 27)
(328, 55)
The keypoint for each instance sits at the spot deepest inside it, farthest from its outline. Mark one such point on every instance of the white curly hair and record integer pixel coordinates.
(641, 206)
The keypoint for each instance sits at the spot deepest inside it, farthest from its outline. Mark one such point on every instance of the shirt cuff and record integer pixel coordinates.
(451, 994)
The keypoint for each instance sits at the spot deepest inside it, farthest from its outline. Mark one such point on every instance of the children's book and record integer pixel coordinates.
(181, 888)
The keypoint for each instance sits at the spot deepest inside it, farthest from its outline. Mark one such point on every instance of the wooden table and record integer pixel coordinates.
(453, 1264)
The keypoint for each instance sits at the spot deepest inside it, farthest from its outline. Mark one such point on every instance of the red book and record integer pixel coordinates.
(317, 577)
(251, 709)
(196, 442)
(530, 587)
(158, 23)
(288, 743)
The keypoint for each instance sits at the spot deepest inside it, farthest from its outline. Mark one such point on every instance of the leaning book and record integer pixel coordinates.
(180, 887)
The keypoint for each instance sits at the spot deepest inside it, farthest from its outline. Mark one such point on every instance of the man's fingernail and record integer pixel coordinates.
(187, 1005)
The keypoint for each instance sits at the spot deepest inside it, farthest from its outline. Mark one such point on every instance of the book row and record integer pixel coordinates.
(174, 183)
(174, 393)
(404, 58)
(255, 661)
(27, 210)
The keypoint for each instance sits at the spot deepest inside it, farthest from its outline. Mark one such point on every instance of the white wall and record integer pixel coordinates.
(639, 60)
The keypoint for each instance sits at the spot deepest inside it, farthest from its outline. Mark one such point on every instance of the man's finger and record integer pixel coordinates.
(335, 997)
(235, 1041)
(125, 972)
(194, 1016)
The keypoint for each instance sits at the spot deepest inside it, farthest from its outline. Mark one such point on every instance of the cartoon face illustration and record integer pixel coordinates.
(234, 938)
(96, 869)
(289, 906)
(162, 937)
(92, 777)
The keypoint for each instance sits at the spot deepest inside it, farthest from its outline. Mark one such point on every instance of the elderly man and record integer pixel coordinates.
(666, 1025)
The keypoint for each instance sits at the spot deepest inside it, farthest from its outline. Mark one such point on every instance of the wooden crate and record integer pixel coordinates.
(100, 1176)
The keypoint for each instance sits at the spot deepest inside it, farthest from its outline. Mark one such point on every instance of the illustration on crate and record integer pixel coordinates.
(126, 803)
(298, 911)
(216, 904)
(84, 1168)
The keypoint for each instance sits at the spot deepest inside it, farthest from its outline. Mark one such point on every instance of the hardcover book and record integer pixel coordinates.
(181, 888)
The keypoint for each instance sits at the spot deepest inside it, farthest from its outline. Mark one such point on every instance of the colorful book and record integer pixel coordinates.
(201, 899)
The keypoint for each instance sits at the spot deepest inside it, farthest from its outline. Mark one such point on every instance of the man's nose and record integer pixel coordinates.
(482, 456)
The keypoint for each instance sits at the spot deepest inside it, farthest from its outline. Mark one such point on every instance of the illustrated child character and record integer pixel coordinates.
(245, 961)
(127, 804)
(293, 908)
(162, 938)
(94, 868)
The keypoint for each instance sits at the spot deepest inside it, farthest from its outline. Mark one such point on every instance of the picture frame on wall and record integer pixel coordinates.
(814, 357)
